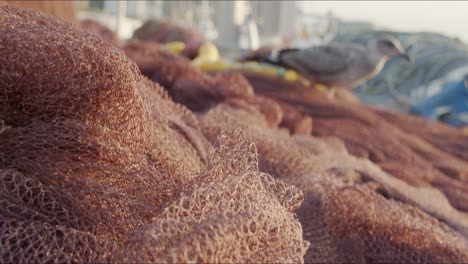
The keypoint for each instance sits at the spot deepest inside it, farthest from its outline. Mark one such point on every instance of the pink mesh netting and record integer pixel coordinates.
(97, 164)
(353, 211)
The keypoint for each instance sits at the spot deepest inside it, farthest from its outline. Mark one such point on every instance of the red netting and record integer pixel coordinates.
(97, 164)
(353, 211)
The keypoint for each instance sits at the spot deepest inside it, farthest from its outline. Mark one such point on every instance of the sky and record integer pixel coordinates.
(446, 17)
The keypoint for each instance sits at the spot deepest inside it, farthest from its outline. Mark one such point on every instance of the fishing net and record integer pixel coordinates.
(101, 30)
(353, 211)
(186, 84)
(417, 151)
(165, 32)
(97, 164)
(62, 9)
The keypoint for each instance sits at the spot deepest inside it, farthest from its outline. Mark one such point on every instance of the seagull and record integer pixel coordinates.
(341, 65)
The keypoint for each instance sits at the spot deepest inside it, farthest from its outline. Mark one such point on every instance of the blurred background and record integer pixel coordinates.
(433, 32)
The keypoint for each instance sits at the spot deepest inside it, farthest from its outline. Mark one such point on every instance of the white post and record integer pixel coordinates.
(288, 18)
(226, 25)
(120, 17)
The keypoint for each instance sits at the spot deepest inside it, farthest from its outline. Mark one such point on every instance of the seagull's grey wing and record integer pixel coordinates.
(331, 59)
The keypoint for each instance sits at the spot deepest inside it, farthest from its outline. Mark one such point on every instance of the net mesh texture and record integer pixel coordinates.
(98, 164)
(353, 210)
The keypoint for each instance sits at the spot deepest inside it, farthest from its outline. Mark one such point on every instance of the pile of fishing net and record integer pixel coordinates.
(417, 151)
(200, 91)
(63, 9)
(166, 32)
(97, 164)
(101, 30)
(353, 210)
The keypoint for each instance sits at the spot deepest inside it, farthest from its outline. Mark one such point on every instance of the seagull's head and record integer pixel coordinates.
(390, 47)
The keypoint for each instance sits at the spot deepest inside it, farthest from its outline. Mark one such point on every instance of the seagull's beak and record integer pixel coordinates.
(405, 56)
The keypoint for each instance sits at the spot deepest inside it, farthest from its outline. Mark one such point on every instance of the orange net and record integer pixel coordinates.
(97, 163)
(353, 210)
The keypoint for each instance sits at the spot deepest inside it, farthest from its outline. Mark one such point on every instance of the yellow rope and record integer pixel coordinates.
(176, 46)
(208, 59)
